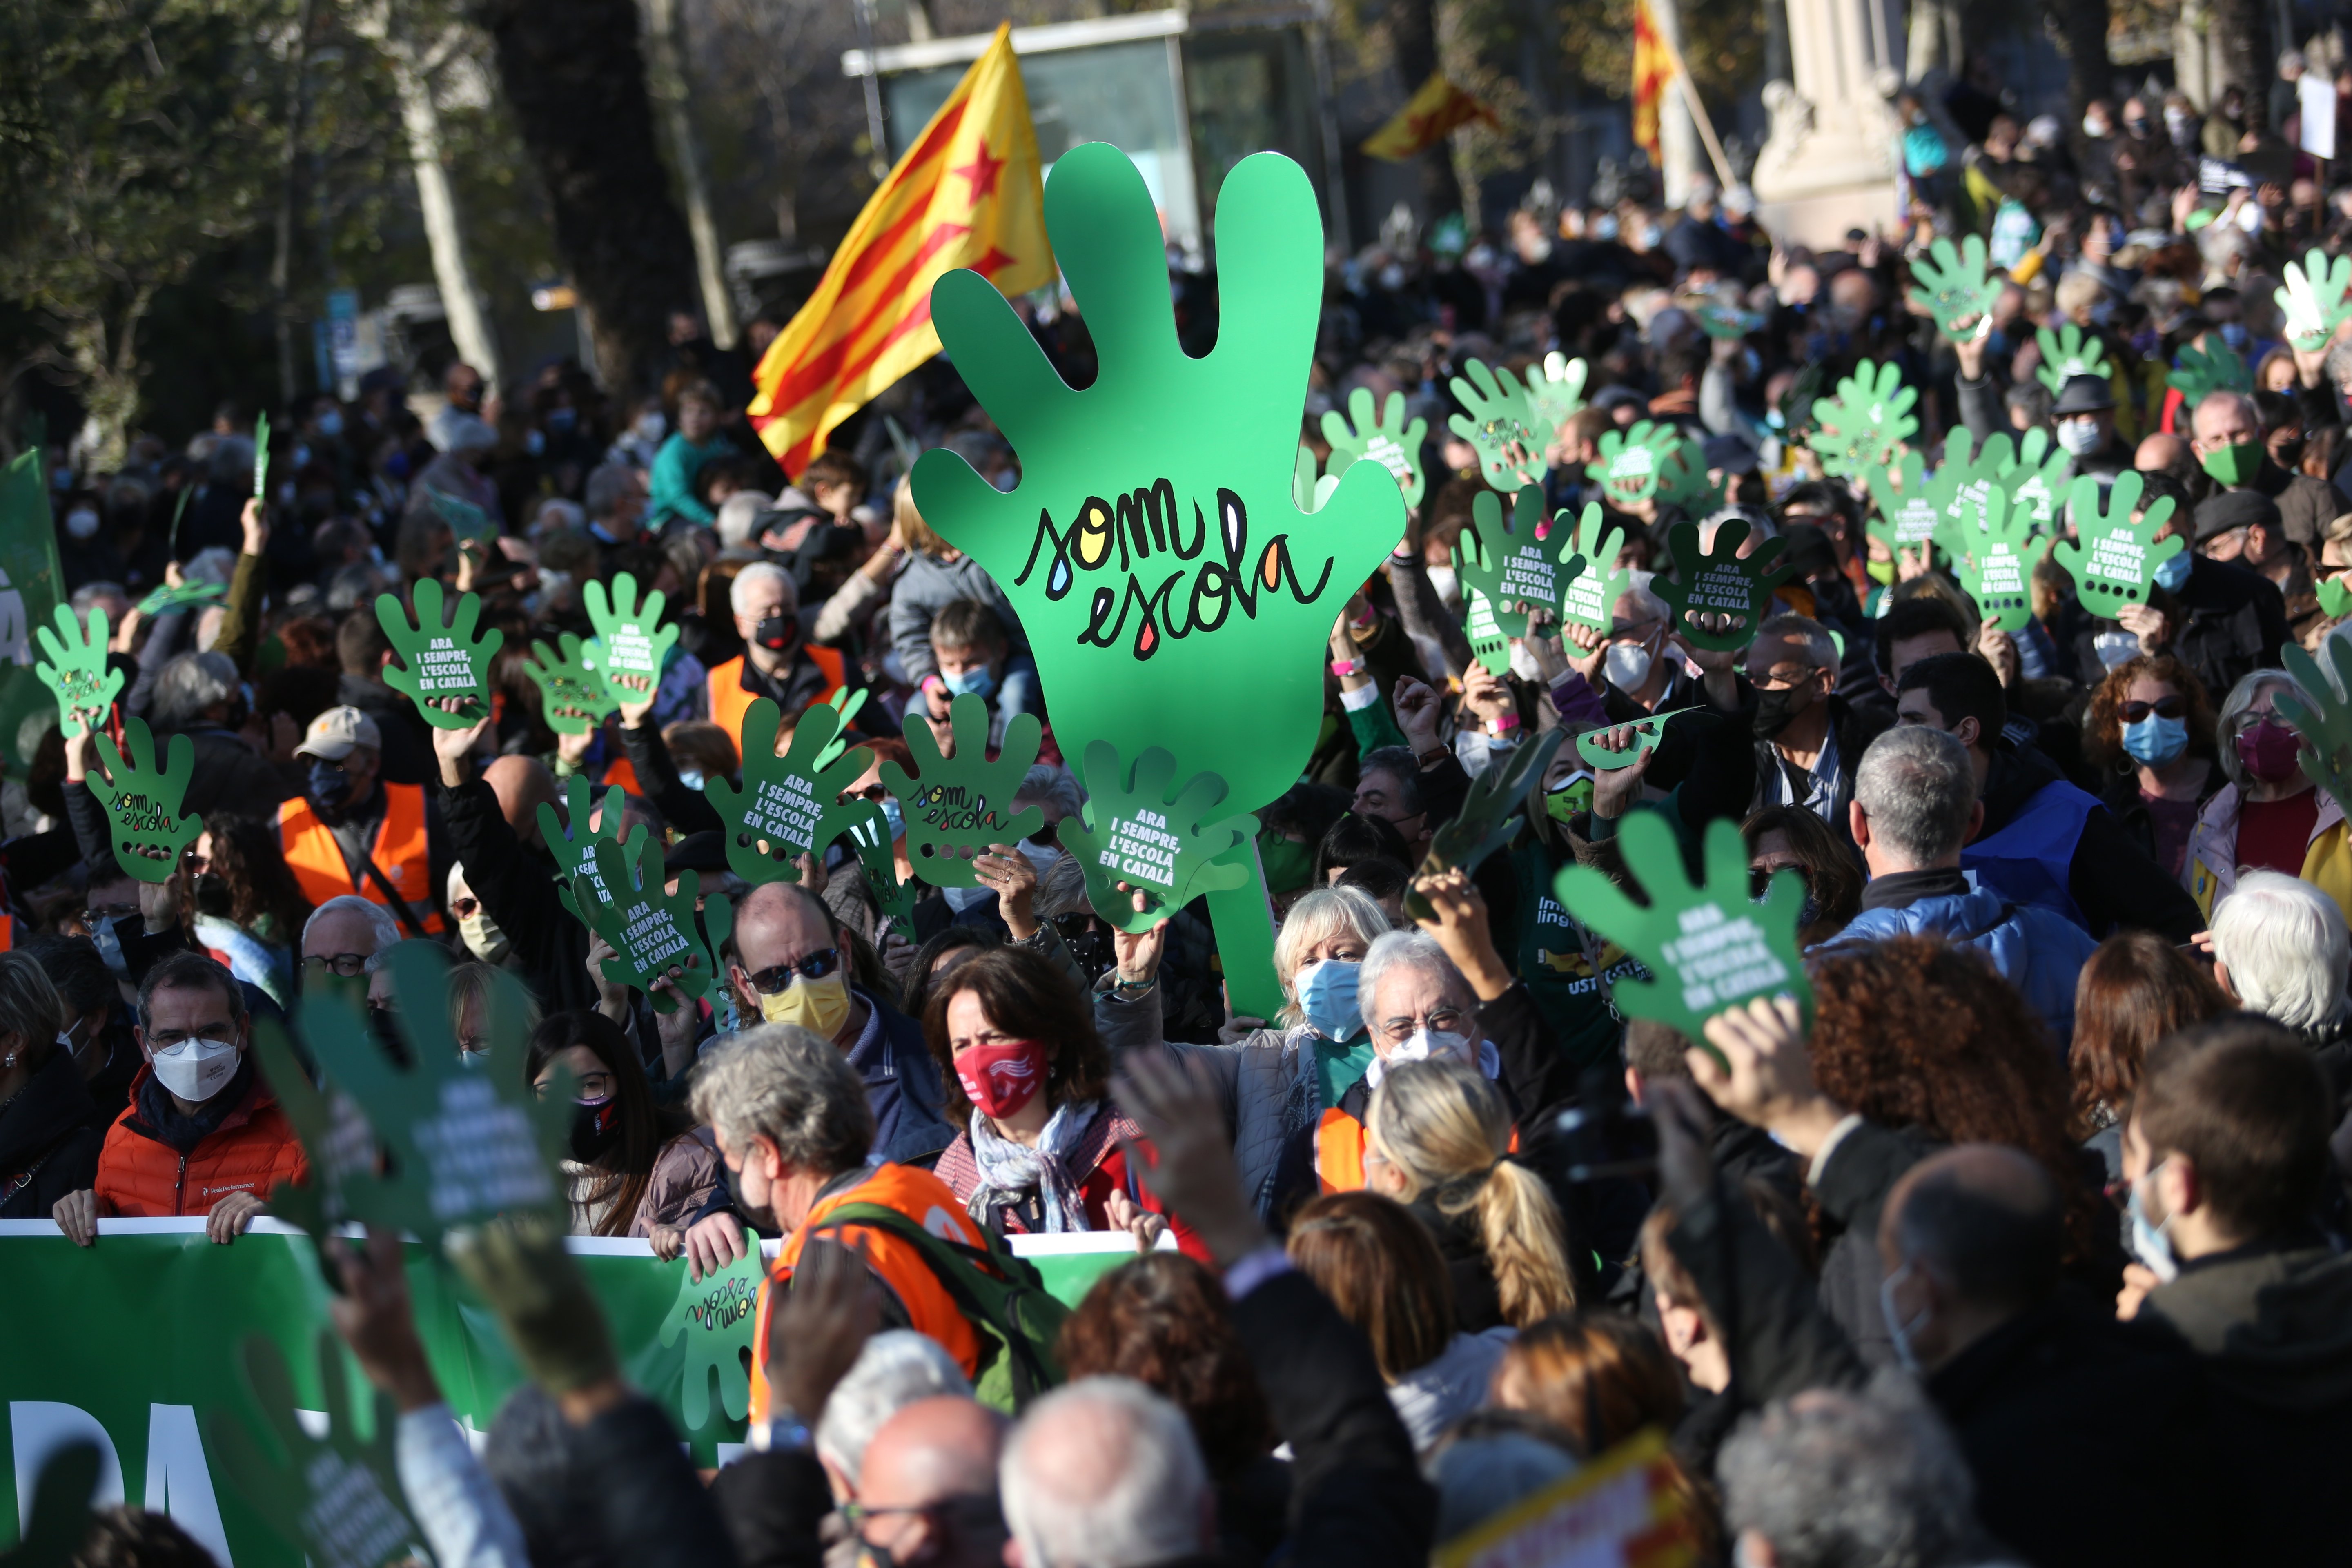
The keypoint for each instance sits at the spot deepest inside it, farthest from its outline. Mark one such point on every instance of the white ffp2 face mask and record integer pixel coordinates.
(1627, 664)
(195, 1070)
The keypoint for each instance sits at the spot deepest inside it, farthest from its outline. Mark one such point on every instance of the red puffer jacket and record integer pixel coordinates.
(253, 1149)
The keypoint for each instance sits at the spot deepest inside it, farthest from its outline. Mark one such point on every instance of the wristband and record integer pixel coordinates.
(931, 681)
(1344, 668)
(1432, 757)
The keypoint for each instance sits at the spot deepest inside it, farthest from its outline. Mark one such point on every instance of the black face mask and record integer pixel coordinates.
(596, 1128)
(762, 1218)
(213, 896)
(1776, 710)
(387, 1035)
(777, 633)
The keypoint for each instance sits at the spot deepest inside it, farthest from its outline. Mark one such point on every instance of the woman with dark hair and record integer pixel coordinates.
(1356, 838)
(634, 1168)
(1027, 1079)
(2136, 989)
(240, 901)
(50, 1131)
(2149, 731)
(1791, 838)
(945, 950)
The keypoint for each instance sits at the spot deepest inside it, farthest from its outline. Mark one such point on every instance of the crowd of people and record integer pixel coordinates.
(2017, 1244)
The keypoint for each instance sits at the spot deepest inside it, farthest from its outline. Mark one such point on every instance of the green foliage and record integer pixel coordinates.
(1139, 835)
(440, 661)
(955, 807)
(142, 803)
(1718, 585)
(75, 672)
(1502, 422)
(789, 806)
(1388, 440)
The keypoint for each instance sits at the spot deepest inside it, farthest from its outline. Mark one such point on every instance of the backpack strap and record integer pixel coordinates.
(948, 1260)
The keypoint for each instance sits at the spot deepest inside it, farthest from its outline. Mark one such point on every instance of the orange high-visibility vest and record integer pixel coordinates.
(729, 701)
(400, 852)
(620, 777)
(930, 1202)
(1339, 1151)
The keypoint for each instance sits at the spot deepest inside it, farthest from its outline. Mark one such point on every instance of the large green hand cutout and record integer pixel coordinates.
(790, 806)
(1957, 288)
(1999, 571)
(878, 861)
(346, 1164)
(336, 1499)
(2208, 370)
(2066, 353)
(2321, 714)
(1590, 579)
(468, 523)
(1904, 518)
(1632, 462)
(715, 1319)
(2114, 557)
(142, 803)
(573, 695)
(75, 672)
(1647, 733)
(652, 931)
(2313, 299)
(1710, 947)
(1682, 482)
(1502, 422)
(1961, 489)
(1868, 420)
(1174, 594)
(631, 642)
(957, 806)
(186, 596)
(440, 661)
(1504, 561)
(1136, 830)
(573, 843)
(1387, 440)
(1556, 387)
(1489, 819)
(2031, 475)
(1720, 586)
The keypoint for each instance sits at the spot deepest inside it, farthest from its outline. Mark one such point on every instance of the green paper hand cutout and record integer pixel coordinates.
(1958, 289)
(467, 522)
(2320, 714)
(1503, 425)
(440, 661)
(1866, 422)
(1488, 820)
(75, 672)
(573, 695)
(574, 844)
(1727, 321)
(2313, 299)
(1302, 478)
(2335, 596)
(1590, 580)
(1999, 571)
(186, 596)
(2066, 353)
(790, 806)
(1173, 593)
(1720, 586)
(652, 931)
(714, 1318)
(631, 643)
(2032, 474)
(2114, 557)
(1961, 489)
(1709, 946)
(1682, 482)
(57, 1515)
(142, 805)
(2204, 371)
(346, 1164)
(1905, 519)
(846, 703)
(1556, 387)
(1488, 643)
(1632, 462)
(878, 863)
(955, 807)
(1388, 440)
(338, 1500)
(1159, 843)
(261, 457)
(1647, 733)
(1504, 561)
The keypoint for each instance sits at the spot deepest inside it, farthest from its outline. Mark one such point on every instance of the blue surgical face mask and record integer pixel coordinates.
(1327, 995)
(2148, 1242)
(2156, 740)
(2173, 575)
(1901, 1330)
(691, 778)
(975, 681)
(2234, 335)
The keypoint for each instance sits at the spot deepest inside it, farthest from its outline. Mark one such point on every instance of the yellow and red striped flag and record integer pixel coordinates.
(1433, 113)
(971, 191)
(1654, 72)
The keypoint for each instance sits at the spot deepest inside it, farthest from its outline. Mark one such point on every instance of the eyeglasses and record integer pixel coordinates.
(345, 964)
(1441, 1020)
(1759, 879)
(2173, 707)
(818, 965)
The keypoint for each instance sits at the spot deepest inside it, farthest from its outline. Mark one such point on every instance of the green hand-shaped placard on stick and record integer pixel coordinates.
(1647, 733)
(1709, 946)
(75, 670)
(1387, 440)
(2319, 710)
(1511, 436)
(790, 806)
(143, 802)
(1487, 821)
(1632, 462)
(2115, 555)
(631, 642)
(573, 695)
(955, 807)
(1956, 286)
(1137, 835)
(654, 933)
(1504, 560)
(1588, 591)
(714, 1320)
(186, 596)
(1998, 569)
(1718, 587)
(437, 660)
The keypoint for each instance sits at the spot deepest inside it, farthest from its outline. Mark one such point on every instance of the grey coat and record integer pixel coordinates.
(929, 586)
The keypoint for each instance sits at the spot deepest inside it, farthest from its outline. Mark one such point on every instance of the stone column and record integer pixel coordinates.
(1828, 164)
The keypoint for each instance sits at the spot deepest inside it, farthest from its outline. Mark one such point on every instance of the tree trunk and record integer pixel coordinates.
(445, 236)
(2243, 56)
(1412, 35)
(281, 261)
(666, 34)
(577, 85)
(2083, 24)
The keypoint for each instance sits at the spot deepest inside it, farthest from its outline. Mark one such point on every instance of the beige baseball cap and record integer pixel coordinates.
(334, 733)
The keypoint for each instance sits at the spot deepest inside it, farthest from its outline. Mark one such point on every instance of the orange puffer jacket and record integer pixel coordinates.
(253, 1149)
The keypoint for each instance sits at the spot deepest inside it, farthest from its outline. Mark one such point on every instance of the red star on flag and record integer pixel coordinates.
(982, 173)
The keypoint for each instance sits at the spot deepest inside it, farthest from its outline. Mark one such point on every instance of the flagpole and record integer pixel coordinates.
(1699, 110)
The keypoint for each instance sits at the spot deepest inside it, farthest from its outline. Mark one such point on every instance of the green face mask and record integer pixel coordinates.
(1571, 799)
(1881, 572)
(1289, 865)
(2235, 465)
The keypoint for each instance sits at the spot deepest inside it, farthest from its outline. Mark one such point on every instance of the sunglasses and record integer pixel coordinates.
(818, 965)
(1759, 879)
(2175, 707)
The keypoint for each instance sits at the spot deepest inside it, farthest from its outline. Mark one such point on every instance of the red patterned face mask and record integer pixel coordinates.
(1000, 1078)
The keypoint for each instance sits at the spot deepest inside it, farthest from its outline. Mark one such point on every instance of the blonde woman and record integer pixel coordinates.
(1437, 1139)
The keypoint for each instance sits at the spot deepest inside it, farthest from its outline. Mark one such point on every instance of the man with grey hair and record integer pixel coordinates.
(777, 662)
(2228, 438)
(1915, 807)
(1809, 739)
(1106, 1474)
(203, 697)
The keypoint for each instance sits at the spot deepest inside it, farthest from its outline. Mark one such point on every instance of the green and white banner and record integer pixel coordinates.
(132, 1343)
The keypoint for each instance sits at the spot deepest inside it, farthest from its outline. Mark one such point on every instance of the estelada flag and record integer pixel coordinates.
(971, 191)
(1438, 110)
(1654, 72)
